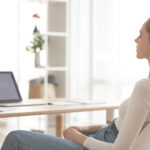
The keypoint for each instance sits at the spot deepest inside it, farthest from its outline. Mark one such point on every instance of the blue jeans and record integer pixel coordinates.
(26, 140)
(105, 134)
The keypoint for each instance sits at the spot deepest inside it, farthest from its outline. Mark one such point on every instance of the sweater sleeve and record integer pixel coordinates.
(136, 114)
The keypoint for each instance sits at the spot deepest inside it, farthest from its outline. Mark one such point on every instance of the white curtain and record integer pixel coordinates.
(79, 48)
(106, 67)
(115, 68)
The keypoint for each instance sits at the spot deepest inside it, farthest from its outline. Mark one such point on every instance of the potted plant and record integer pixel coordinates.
(37, 43)
(36, 47)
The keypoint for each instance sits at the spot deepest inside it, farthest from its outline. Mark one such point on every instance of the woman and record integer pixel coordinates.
(120, 134)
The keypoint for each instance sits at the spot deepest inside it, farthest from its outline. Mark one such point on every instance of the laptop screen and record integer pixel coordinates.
(8, 88)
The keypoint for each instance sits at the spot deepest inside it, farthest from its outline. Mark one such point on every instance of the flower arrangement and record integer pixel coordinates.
(38, 42)
(36, 17)
(36, 45)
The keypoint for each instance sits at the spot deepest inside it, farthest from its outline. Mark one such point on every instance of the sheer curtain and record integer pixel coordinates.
(103, 52)
(115, 68)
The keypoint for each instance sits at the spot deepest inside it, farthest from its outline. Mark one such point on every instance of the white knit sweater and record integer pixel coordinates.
(133, 114)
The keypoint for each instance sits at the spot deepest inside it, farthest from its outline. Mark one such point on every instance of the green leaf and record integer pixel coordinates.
(36, 43)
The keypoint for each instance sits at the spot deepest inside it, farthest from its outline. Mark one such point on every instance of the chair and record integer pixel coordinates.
(143, 140)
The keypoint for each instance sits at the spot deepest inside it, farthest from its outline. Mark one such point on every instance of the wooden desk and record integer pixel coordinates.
(59, 111)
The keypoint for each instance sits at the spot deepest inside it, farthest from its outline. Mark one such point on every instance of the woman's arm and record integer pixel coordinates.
(80, 134)
(74, 135)
(136, 114)
(88, 130)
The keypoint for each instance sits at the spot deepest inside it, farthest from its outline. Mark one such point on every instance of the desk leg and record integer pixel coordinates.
(109, 115)
(59, 125)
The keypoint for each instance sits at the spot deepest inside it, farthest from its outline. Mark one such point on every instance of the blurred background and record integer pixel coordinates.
(85, 50)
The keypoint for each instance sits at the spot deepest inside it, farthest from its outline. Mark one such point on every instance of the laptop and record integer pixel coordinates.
(10, 94)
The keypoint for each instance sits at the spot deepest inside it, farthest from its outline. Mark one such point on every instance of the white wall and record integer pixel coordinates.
(8, 35)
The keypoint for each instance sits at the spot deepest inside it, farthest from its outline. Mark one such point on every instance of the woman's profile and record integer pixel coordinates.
(120, 134)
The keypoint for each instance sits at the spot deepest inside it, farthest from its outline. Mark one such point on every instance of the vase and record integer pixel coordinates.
(35, 31)
(37, 59)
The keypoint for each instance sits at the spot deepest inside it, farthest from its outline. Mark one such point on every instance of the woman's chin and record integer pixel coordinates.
(138, 56)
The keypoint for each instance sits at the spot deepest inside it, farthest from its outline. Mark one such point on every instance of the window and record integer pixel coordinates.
(115, 68)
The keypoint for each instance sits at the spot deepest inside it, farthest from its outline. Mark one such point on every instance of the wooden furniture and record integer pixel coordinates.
(59, 111)
(53, 25)
(36, 91)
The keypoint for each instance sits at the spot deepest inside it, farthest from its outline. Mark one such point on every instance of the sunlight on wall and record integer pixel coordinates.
(115, 66)
(8, 35)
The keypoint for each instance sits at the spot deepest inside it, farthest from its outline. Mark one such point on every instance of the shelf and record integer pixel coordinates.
(57, 13)
(58, 34)
(54, 27)
(57, 68)
(60, 79)
(64, 1)
(39, 72)
(47, 68)
(56, 49)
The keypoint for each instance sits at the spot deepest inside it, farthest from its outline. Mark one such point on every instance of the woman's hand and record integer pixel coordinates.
(74, 135)
(80, 129)
(87, 130)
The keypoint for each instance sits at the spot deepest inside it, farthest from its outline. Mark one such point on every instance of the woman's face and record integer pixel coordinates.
(143, 43)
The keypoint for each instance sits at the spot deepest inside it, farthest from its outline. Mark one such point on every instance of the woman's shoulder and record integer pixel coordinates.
(143, 82)
(143, 85)
(141, 92)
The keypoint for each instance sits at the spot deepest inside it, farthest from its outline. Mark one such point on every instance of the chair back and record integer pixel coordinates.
(143, 140)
